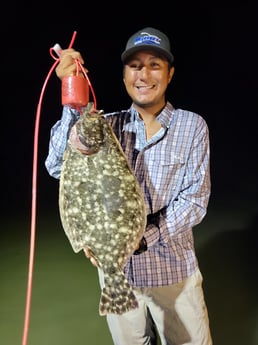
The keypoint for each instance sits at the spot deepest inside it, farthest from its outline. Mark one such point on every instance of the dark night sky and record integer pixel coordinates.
(214, 44)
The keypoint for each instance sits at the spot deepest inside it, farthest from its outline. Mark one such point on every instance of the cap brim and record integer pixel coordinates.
(127, 53)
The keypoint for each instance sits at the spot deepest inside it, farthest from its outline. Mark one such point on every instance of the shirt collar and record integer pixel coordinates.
(164, 116)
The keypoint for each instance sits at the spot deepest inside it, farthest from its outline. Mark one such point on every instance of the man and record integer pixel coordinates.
(168, 150)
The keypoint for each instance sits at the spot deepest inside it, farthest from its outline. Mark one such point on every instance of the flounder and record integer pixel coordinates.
(101, 205)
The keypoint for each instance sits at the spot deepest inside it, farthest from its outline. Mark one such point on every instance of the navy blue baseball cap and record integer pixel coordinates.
(148, 38)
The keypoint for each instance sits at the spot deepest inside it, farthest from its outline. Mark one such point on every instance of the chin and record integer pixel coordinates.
(143, 104)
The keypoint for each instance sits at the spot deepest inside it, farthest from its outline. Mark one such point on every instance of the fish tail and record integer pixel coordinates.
(117, 296)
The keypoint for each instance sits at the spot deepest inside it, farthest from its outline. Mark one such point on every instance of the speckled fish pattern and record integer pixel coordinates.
(101, 205)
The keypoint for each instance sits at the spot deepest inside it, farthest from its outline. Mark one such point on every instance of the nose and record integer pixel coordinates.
(143, 72)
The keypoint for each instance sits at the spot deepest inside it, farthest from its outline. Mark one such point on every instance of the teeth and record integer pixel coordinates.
(102, 207)
(145, 87)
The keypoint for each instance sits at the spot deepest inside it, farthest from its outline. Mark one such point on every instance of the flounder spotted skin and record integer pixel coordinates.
(101, 205)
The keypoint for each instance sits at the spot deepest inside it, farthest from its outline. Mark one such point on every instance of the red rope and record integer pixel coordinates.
(34, 197)
(33, 214)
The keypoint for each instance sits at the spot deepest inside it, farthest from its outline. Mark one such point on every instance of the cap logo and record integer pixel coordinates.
(147, 39)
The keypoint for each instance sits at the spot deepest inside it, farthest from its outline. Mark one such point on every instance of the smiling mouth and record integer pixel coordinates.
(144, 87)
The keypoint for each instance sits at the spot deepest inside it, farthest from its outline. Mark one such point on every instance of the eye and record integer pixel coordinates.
(155, 65)
(135, 66)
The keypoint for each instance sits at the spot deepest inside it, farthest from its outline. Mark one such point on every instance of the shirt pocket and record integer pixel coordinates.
(172, 169)
(165, 178)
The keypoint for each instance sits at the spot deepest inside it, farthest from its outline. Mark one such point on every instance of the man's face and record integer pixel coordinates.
(146, 77)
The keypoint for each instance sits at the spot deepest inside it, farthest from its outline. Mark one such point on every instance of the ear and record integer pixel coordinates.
(171, 73)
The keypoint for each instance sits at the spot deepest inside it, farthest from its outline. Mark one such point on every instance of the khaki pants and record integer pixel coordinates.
(178, 312)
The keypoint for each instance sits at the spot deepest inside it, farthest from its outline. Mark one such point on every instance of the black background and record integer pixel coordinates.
(214, 44)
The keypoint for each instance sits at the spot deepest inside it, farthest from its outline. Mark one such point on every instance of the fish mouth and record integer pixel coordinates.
(90, 146)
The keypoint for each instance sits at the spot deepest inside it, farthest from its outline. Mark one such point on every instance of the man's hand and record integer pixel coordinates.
(88, 253)
(67, 65)
(142, 247)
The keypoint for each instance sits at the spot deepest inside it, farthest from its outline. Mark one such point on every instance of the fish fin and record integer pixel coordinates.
(117, 298)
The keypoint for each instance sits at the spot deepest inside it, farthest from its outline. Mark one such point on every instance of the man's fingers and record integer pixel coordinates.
(87, 252)
(89, 255)
(94, 262)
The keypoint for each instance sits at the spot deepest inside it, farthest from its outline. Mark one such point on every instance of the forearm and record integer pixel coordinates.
(58, 139)
(182, 214)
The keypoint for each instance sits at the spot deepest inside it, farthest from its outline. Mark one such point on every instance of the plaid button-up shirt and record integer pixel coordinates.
(173, 169)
